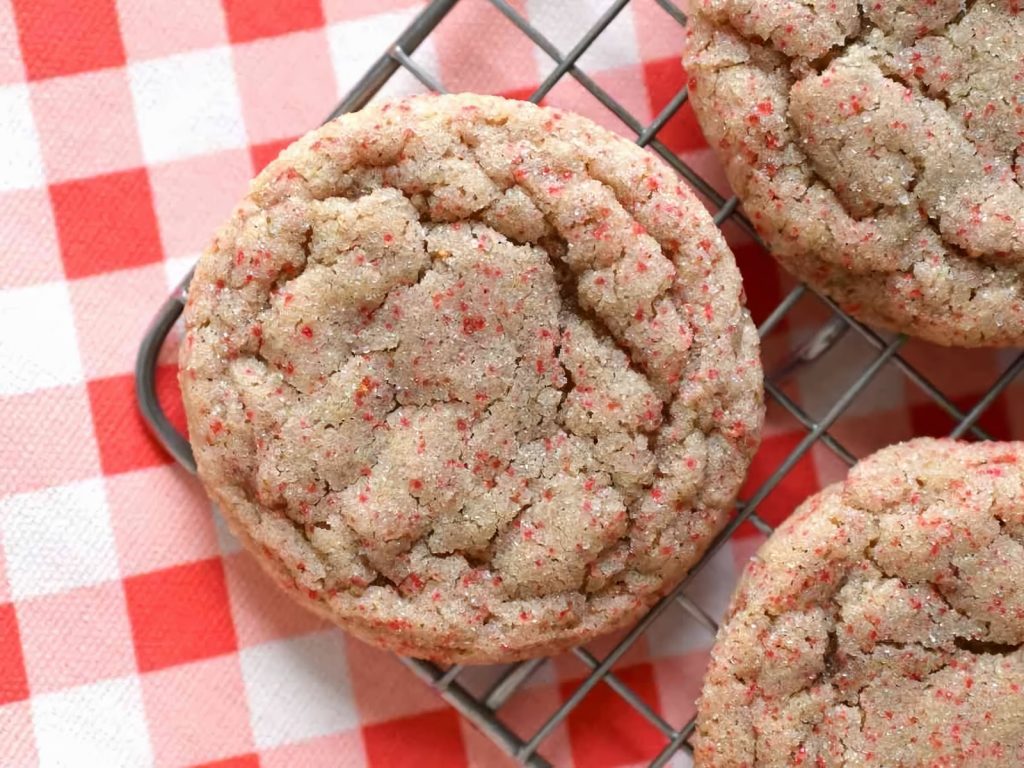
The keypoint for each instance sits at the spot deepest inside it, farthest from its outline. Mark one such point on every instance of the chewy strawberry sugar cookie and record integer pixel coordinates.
(878, 147)
(471, 377)
(882, 625)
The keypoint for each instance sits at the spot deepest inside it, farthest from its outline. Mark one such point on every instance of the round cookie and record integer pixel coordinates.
(882, 624)
(878, 148)
(471, 377)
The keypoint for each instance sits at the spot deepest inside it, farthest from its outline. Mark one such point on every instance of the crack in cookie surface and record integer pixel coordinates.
(883, 623)
(876, 147)
(473, 376)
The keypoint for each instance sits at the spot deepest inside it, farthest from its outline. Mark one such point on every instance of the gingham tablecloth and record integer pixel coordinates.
(132, 629)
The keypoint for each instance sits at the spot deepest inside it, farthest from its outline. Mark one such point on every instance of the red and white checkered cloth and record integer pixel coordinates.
(132, 629)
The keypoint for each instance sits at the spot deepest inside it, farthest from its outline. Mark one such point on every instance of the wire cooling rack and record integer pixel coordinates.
(485, 706)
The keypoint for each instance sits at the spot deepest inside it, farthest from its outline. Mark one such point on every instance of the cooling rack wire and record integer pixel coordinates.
(482, 696)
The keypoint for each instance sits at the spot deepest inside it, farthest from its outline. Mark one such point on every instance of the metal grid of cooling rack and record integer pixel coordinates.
(484, 708)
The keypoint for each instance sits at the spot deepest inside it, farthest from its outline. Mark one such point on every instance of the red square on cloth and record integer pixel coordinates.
(264, 154)
(664, 79)
(799, 483)
(106, 223)
(523, 94)
(241, 761)
(248, 20)
(13, 681)
(931, 419)
(180, 614)
(605, 731)
(125, 442)
(60, 38)
(762, 281)
(433, 738)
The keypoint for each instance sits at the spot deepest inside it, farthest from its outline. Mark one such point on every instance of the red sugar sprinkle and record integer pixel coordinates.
(473, 323)
(307, 332)
(415, 582)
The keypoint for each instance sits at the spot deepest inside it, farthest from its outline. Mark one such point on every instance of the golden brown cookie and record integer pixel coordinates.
(879, 150)
(882, 624)
(471, 377)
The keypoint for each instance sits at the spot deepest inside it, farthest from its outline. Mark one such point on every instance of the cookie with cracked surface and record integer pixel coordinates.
(471, 377)
(878, 148)
(883, 623)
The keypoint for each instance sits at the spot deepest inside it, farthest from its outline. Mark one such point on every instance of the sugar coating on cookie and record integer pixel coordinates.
(879, 150)
(883, 623)
(471, 377)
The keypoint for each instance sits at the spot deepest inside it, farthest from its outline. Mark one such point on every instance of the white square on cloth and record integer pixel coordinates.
(38, 344)
(57, 539)
(298, 688)
(187, 104)
(21, 163)
(102, 724)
